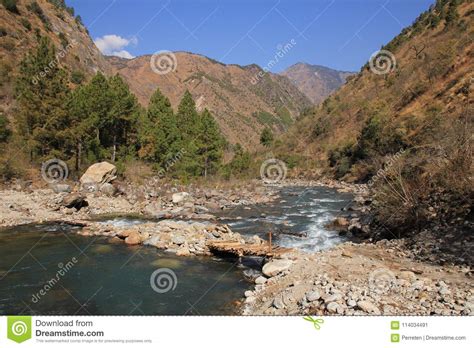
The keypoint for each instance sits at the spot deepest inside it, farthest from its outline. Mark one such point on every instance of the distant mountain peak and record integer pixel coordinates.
(315, 81)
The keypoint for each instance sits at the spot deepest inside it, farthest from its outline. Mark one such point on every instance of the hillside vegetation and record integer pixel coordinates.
(407, 132)
(243, 99)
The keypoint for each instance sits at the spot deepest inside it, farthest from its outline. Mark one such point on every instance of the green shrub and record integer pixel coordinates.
(10, 5)
(4, 129)
(77, 77)
(25, 23)
(64, 40)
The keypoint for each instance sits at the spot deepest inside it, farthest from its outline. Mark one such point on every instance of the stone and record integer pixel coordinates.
(133, 238)
(346, 253)
(332, 298)
(274, 267)
(368, 307)
(180, 197)
(351, 303)
(108, 189)
(260, 280)
(99, 173)
(278, 303)
(183, 250)
(334, 307)
(407, 275)
(61, 188)
(313, 296)
(248, 293)
(74, 200)
(178, 240)
(444, 291)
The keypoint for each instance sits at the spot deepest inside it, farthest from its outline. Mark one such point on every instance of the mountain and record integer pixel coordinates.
(243, 99)
(404, 123)
(316, 81)
(20, 27)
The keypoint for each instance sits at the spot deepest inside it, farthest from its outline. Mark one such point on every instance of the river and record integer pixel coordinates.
(46, 269)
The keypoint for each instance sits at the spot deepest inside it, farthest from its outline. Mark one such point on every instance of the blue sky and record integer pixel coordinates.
(341, 34)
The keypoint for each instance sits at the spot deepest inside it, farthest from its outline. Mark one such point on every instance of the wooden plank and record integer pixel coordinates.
(240, 249)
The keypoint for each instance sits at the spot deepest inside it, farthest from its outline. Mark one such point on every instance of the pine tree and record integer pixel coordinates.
(158, 131)
(188, 122)
(210, 143)
(42, 93)
(89, 104)
(117, 124)
(266, 137)
(187, 117)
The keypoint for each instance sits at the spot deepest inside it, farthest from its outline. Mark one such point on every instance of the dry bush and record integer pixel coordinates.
(430, 181)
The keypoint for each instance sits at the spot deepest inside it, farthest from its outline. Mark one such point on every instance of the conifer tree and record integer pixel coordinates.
(42, 93)
(188, 123)
(159, 133)
(117, 125)
(210, 143)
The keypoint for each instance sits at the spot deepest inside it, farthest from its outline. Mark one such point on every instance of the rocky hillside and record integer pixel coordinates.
(243, 99)
(20, 27)
(316, 81)
(405, 122)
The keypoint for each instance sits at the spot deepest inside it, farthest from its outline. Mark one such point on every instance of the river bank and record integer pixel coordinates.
(361, 279)
(383, 278)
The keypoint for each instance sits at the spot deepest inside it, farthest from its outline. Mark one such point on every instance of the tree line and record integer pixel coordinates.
(102, 120)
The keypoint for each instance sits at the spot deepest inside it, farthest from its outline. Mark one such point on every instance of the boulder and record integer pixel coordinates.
(133, 238)
(274, 267)
(99, 173)
(74, 200)
(368, 307)
(108, 189)
(180, 197)
(313, 296)
(60, 188)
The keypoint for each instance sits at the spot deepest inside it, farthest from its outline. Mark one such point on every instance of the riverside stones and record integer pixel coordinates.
(74, 200)
(313, 296)
(274, 267)
(180, 197)
(368, 307)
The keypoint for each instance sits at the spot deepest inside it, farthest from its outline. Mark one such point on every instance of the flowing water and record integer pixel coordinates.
(47, 269)
(298, 219)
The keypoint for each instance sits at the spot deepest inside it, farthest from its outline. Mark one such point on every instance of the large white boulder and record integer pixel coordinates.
(99, 173)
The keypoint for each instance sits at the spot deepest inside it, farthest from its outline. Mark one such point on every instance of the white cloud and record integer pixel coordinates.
(113, 45)
(123, 54)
